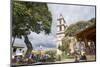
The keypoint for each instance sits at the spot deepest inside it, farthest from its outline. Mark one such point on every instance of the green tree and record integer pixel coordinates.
(52, 55)
(78, 26)
(27, 17)
(65, 45)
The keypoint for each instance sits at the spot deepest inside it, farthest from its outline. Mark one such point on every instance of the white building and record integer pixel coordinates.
(61, 26)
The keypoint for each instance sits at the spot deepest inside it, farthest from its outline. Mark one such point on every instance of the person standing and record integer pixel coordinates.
(83, 57)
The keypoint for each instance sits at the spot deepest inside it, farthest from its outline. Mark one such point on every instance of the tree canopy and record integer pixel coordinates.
(27, 17)
(78, 26)
(30, 16)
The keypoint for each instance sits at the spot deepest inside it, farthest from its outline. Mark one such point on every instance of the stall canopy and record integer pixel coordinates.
(87, 34)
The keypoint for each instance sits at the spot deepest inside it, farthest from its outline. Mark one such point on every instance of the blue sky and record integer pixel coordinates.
(71, 14)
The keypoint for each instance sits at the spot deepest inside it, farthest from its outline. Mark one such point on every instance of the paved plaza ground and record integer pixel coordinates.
(89, 58)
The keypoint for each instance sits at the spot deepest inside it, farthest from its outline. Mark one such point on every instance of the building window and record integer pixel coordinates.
(60, 22)
(60, 28)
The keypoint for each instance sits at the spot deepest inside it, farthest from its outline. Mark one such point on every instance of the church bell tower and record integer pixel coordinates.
(61, 26)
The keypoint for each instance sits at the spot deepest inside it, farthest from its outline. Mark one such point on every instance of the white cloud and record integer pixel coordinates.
(72, 13)
(37, 40)
(42, 39)
(19, 42)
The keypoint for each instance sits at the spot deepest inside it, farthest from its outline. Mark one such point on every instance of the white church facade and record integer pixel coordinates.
(61, 26)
